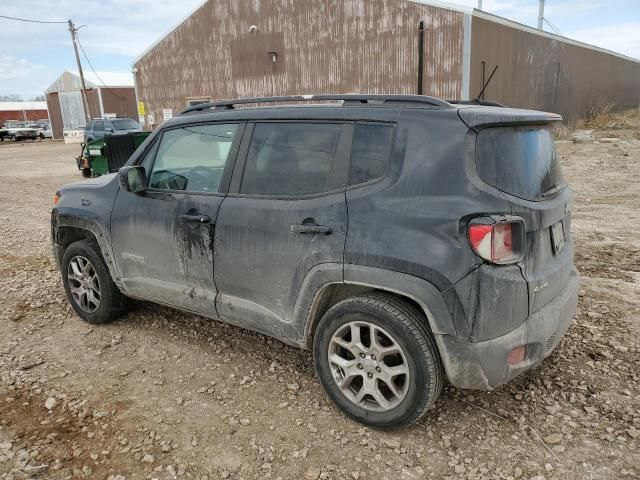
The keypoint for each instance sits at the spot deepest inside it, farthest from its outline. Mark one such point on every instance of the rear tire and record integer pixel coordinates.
(389, 378)
(88, 284)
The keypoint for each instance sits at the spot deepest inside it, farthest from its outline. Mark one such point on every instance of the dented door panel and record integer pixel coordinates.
(161, 256)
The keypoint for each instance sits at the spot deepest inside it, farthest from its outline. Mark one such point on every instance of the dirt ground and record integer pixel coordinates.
(163, 394)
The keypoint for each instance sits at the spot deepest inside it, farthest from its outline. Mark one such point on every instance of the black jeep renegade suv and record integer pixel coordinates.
(404, 239)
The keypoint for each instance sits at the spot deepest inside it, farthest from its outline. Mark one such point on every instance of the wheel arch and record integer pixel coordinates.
(68, 228)
(359, 280)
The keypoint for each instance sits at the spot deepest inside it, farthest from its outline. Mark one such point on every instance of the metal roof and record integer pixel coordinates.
(70, 80)
(108, 79)
(21, 106)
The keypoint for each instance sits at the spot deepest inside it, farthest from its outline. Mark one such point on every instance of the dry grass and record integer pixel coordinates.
(561, 131)
(601, 115)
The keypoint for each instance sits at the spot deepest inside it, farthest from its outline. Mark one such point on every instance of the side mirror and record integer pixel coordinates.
(133, 178)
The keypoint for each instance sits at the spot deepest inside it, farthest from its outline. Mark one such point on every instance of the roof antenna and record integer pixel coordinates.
(484, 87)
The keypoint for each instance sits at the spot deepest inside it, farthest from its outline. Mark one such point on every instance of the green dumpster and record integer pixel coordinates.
(107, 155)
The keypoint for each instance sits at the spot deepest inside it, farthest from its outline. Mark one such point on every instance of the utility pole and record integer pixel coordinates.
(540, 14)
(74, 32)
(479, 4)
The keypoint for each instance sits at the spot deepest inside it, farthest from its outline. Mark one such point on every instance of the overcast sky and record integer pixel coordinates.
(32, 56)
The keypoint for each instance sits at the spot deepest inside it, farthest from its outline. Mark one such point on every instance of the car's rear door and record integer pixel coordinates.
(285, 215)
(163, 238)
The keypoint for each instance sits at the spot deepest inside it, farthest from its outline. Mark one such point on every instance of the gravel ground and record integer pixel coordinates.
(163, 394)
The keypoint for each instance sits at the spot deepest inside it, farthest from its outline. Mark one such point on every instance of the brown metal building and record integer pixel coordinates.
(240, 48)
(23, 111)
(108, 93)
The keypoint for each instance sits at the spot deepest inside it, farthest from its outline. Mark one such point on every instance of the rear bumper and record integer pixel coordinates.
(483, 365)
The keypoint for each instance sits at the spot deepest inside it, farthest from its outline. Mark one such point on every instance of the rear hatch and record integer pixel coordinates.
(515, 154)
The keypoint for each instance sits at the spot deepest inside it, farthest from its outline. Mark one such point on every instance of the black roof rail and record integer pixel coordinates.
(347, 98)
(476, 101)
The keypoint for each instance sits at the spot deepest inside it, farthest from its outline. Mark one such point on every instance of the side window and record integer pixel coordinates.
(370, 152)
(149, 155)
(90, 125)
(290, 159)
(99, 125)
(192, 158)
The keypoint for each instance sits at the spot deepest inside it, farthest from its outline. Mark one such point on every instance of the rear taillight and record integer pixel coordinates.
(56, 198)
(496, 239)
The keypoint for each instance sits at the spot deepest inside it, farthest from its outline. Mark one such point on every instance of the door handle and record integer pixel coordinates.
(185, 217)
(312, 229)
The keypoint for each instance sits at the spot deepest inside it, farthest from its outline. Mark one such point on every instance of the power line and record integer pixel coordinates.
(73, 30)
(555, 29)
(96, 73)
(28, 20)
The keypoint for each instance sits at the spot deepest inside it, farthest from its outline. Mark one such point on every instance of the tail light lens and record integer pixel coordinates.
(56, 198)
(497, 240)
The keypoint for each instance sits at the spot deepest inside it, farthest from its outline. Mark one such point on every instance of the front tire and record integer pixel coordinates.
(88, 284)
(377, 360)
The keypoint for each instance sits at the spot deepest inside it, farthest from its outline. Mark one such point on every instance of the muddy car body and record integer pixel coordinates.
(404, 239)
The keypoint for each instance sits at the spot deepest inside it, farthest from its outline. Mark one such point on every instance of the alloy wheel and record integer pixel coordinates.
(369, 366)
(84, 284)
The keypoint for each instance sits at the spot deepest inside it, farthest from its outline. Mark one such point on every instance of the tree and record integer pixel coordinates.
(38, 98)
(12, 97)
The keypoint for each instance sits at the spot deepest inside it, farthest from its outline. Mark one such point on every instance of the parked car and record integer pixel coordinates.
(4, 133)
(403, 239)
(20, 131)
(45, 132)
(98, 128)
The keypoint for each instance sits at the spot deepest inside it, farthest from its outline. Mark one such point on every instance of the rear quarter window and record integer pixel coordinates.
(520, 161)
(370, 152)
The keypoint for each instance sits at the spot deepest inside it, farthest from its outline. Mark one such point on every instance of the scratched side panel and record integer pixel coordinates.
(324, 46)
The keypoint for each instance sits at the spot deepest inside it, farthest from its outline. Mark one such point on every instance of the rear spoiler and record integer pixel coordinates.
(479, 117)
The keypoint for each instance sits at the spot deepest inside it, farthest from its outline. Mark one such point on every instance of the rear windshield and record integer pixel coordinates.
(125, 124)
(520, 161)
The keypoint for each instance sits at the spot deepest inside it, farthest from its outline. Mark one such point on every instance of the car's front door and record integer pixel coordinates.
(285, 215)
(162, 238)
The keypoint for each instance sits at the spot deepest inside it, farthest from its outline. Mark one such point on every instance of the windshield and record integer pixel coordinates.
(125, 124)
(520, 161)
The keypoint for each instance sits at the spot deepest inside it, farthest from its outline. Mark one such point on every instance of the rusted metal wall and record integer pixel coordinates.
(540, 72)
(94, 102)
(121, 101)
(324, 46)
(22, 115)
(55, 114)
